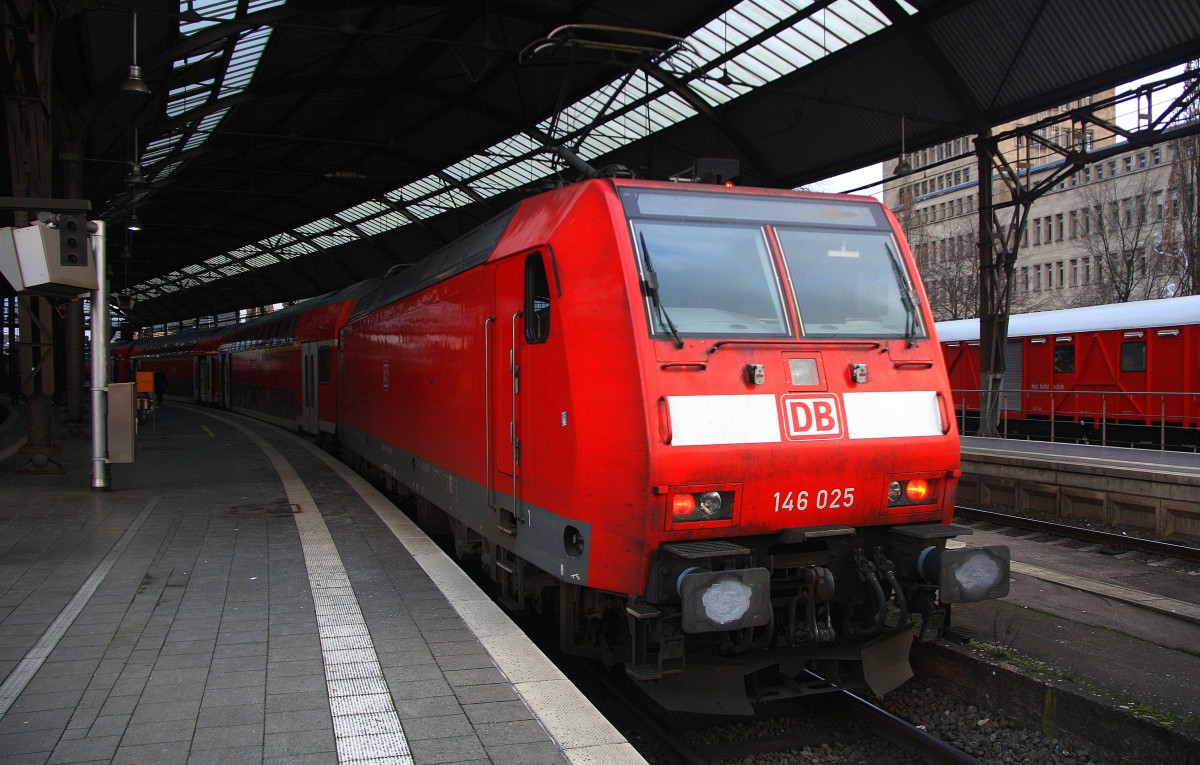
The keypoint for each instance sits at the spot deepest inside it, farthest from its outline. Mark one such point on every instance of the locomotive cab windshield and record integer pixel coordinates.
(720, 263)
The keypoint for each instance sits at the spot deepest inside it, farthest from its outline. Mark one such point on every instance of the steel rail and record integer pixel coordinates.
(899, 731)
(1138, 544)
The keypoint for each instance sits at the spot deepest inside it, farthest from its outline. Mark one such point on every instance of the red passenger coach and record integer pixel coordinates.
(172, 354)
(1126, 373)
(120, 369)
(709, 427)
(283, 367)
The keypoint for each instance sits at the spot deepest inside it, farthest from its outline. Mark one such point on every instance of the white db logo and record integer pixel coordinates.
(811, 417)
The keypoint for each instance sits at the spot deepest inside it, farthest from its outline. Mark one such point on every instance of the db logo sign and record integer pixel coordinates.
(811, 417)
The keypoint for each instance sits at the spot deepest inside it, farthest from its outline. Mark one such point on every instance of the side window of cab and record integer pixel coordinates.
(537, 300)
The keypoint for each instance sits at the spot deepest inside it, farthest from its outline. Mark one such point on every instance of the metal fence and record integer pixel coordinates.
(1151, 419)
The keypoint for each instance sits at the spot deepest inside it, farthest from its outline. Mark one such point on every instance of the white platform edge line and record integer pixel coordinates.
(481, 617)
(318, 547)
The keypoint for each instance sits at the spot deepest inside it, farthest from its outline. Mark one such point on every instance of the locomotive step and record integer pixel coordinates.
(643, 672)
(700, 550)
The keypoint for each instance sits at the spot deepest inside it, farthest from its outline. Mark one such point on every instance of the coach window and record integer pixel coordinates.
(1133, 356)
(537, 300)
(1064, 359)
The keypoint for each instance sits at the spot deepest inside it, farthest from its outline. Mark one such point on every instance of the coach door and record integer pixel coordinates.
(309, 409)
(199, 378)
(521, 320)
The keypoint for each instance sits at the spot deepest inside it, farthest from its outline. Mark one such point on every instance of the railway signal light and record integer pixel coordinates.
(72, 240)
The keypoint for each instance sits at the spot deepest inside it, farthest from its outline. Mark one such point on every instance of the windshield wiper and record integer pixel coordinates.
(650, 285)
(906, 297)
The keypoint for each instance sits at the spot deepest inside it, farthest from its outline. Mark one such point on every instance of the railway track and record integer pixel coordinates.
(842, 726)
(1107, 538)
(857, 733)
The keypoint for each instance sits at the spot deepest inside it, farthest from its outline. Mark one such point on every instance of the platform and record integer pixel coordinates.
(1141, 491)
(240, 597)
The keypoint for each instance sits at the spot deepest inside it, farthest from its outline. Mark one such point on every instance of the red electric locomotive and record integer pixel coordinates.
(1127, 373)
(709, 427)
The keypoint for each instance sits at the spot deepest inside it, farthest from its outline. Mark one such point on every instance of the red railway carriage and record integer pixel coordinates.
(120, 369)
(1122, 373)
(173, 354)
(708, 426)
(283, 367)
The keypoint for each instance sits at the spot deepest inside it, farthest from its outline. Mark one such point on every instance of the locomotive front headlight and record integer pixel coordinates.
(700, 506)
(895, 491)
(710, 504)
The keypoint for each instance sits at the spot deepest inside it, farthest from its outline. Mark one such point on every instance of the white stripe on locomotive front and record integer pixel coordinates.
(755, 419)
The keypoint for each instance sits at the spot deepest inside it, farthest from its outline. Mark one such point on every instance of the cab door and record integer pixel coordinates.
(521, 320)
(224, 394)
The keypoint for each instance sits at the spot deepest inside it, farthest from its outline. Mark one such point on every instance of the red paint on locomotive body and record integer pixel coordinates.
(546, 399)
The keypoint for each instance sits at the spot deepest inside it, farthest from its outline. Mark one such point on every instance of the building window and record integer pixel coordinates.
(1074, 272)
(1074, 218)
(1158, 206)
(1156, 155)
(1141, 159)
(1037, 278)
(1087, 270)
(1059, 233)
(1025, 278)
(1049, 233)
(1037, 232)
(1061, 274)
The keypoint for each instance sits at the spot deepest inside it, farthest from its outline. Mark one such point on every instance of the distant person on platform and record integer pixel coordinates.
(160, 385)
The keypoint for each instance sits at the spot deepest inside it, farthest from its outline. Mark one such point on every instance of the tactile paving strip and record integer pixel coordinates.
(366, 726)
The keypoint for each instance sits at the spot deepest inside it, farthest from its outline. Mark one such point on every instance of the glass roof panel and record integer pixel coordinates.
(388, 222)
(619, 113)
(258, 261)
(317, 226)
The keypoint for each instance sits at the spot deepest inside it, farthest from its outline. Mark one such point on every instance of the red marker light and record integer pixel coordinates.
(917, 490)
(683, 505)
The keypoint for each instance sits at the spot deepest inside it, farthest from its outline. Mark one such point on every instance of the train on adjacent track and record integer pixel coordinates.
(1120, 374)
(708, 428)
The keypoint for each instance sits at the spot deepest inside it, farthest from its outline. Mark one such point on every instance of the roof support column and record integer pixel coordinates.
(27, 70)
(993, 295)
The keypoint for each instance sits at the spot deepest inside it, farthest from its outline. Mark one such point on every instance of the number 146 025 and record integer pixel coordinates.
(824, 499)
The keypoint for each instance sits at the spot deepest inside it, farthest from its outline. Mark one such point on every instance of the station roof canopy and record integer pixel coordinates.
(289, 148)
